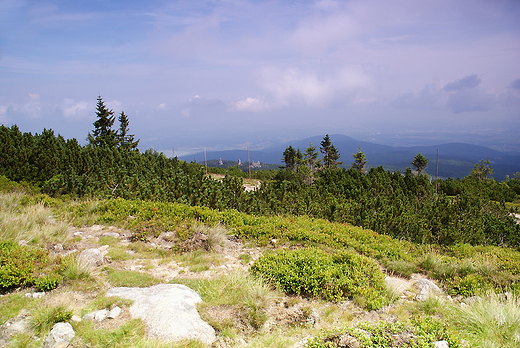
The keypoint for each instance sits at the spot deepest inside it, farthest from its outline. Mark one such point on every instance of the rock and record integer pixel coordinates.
(425, 287)
(441, 344)
(13, 327)
(99, 315)
(58, 248)
(348, 341)
(35, 294)
(92, 257)
(60, 336)
(114, 312)
(169, 312)
(76, 318)
(111, 234)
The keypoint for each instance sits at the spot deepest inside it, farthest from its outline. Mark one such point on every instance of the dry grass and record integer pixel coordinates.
(491, 321)
(33, 223)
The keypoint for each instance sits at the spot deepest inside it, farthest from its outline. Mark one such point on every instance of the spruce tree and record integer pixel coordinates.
(360, 160)
(420, 162)
(103, 134)
(330, 154)
(125, 140)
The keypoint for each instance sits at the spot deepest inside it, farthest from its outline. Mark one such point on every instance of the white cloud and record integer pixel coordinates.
(114, 105)
(74, 110)
(312, 87)
(3, 116)
(251, 104)
(185, 112)
(161, 106)
(32, 106)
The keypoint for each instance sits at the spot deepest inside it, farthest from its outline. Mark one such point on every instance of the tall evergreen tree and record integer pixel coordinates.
(360, 160)
(125, 140)
(330, 154)
(289, 158)
(103, 134)
(420, 162)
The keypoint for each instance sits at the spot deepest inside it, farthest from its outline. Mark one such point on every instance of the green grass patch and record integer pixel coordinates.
(248, 296)
(126, 278)
(45, 317)
(199, 260)
(12, 304)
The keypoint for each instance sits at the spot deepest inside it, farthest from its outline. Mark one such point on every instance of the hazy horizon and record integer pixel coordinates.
(222, 75)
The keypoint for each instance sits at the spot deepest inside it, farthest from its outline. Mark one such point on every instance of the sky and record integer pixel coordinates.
(235, 73)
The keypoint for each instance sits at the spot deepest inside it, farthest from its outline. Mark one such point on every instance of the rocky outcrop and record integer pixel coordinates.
(169, 312)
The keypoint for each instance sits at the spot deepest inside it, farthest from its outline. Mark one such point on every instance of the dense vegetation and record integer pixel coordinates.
(337, 227)
(402, 205)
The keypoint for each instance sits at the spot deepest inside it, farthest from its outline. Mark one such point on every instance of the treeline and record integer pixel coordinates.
(403, 205)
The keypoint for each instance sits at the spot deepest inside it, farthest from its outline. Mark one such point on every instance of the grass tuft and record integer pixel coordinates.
(490, 321)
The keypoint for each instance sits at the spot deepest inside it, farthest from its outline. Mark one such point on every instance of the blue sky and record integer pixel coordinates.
(227, 74)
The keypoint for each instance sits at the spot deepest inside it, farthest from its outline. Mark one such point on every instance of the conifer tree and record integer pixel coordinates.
(330, 154)
(420, 162)
(289, 158)
(125, 140)
(360, 160)
(103, 134)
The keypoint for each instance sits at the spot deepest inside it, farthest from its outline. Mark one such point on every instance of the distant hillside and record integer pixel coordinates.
(455, 159)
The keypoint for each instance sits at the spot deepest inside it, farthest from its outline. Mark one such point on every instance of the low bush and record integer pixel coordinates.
(312, 272)
(420, 332)
(20, 265)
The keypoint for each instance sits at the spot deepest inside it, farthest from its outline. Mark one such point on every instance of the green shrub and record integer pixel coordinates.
(20, 265)
(48, 282)
(312, 272)
(418, 333)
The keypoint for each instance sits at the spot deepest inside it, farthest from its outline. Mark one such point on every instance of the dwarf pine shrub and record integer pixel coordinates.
(312, 272)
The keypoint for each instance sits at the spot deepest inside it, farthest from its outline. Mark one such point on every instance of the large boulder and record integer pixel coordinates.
(60, 336)
(92, 257)
(425, 288)
(169, 312)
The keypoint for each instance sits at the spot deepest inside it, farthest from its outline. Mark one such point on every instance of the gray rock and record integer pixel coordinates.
(169, 312)
(99, 315)
(92, 257)
(114, 312)
(441, 344)
(60, 336)
(426, 287)
(111, 234)
(14, 326)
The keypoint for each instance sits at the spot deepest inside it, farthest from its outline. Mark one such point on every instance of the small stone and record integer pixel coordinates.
(348, 341)
(111, 234)
(88, 316)
(58, 248)
(441, 344)
(114, 312)
(100, 315)
(76, 318)
(38, 294)
(60, 336)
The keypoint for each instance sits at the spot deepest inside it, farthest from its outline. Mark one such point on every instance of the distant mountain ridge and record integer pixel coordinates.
(455, 159)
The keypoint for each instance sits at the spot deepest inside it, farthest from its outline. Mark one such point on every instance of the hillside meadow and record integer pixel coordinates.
(331, 268)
